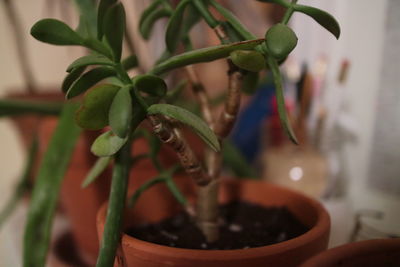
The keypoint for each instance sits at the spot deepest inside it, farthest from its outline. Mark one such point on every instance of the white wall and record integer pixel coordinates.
(362, 43)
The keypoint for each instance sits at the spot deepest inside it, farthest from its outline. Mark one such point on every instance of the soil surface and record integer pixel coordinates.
(245, 225)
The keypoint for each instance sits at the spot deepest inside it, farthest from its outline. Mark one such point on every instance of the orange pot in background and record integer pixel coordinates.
(369, 253)
(157, 204)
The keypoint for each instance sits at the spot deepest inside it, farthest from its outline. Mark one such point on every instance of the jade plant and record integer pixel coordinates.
(114, 100)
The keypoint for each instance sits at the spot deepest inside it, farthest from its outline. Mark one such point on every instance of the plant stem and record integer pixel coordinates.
(21, 107)
(207, 205)
(186, 155)
(115, 210)
(22, 54)
(289, 12)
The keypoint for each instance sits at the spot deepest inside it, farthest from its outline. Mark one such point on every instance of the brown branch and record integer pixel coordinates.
(221, 34)
(228, 116)
(186, 156)
(207, 205)
(22, 54)
(201, 95)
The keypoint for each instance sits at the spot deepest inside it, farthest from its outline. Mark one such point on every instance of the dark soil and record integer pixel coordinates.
(245, 225)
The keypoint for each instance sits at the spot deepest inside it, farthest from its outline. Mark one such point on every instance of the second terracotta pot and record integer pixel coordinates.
(370, 253)
(157, 204)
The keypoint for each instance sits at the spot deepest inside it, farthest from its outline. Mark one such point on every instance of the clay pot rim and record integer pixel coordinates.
(321, 226)
(354, 250)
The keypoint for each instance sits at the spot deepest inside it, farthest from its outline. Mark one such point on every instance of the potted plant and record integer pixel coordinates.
(122, 103)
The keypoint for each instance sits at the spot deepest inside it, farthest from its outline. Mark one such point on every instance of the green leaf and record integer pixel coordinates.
(114, 29)
(107, 144)
(98, 46)
(233, 21)
(120, 114)
(279, 2)
(192, 17)
(89, 79)
(43, 202)
(93, 113)
(203, 55)
(71, 78)
(90, 60)
(88, 18)
(97, 169)
(324, 19)
(188, 118)
(55, 32)
(173, 35)
(250, 83)
(150, 16)
(150, 84)
(273, 65)
(104, 5)
(280, 40)
(130, 62)
(248, 60)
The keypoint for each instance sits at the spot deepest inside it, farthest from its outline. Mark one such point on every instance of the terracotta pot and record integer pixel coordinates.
(370, 253)
(153, 206)
(81, 205)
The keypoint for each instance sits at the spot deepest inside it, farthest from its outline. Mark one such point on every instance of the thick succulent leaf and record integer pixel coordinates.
(189, 119)
(173, 35)
(93, 113)
(104, 5)
(98, 46)
(279, 2)
(250, 83)
(280, 40)
(273, 65)
(324, 19)
(120, 114)
(192, 17)
(150, 84)
(130, 62)
(71, 78)
(114, 29)
(55, 32)
(88, 80)
(248, 60)
(98, 168)
(44, 198)
(107, 144)
(204, 55)
(88, 18)
(233, 21)
(90, 60)
(149, 16)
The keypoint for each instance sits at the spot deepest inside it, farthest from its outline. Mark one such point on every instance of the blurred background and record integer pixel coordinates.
(343, 96)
